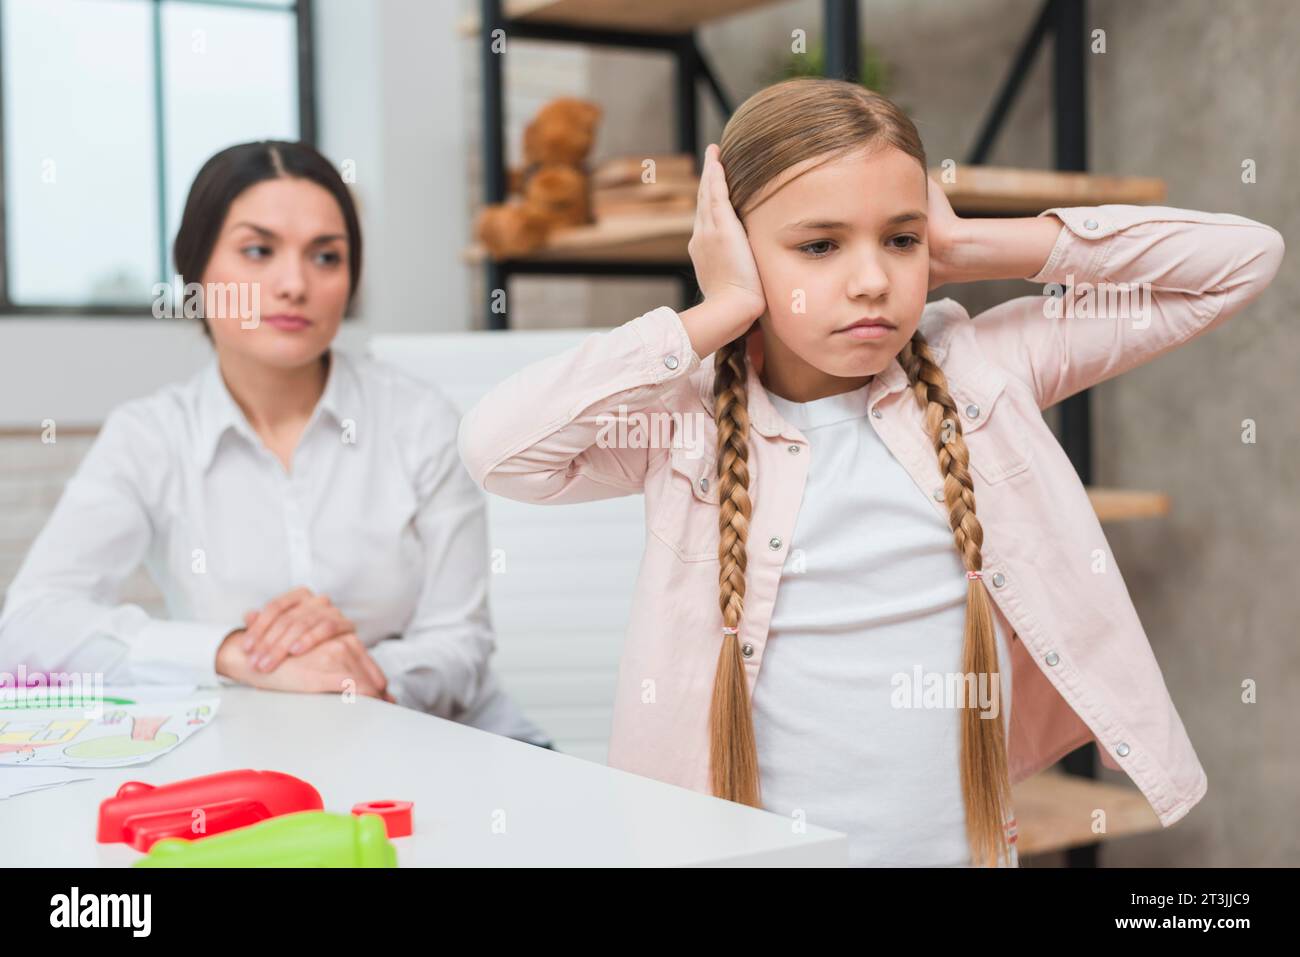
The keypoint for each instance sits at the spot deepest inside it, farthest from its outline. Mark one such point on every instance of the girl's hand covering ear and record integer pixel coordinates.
(941, 236)
(719, 247)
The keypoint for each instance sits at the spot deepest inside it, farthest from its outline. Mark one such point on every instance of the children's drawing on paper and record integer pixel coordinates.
(122, 736)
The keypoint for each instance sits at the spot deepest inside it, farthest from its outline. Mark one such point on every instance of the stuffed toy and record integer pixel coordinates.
(553, 189)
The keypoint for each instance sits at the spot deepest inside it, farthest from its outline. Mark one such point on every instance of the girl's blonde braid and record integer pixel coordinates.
(986, 787)
(733, 752)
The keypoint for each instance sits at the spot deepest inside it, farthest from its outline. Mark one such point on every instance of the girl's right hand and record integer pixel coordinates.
(719, 250)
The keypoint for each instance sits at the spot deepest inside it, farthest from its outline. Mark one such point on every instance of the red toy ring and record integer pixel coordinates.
(396, 815)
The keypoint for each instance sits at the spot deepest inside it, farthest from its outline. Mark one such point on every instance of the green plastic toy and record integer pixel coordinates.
(304, 839)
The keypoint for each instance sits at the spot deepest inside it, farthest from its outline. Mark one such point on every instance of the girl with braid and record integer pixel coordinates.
(861, 526)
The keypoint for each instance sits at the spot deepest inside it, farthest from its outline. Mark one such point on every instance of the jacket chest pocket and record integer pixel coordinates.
(995, 443)
(686, 516)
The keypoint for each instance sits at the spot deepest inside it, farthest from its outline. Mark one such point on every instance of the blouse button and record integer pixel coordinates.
(1052, 658)
(973, 411)
(938, 494)
(1122, 750)
(704, 484)
(774, 543)
(670, 362)
(1089, 224)
(998, 580)
(747, 650)
(792, 449)
(875, 412)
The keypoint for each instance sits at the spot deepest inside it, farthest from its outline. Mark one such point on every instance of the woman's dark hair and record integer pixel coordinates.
(228, 173)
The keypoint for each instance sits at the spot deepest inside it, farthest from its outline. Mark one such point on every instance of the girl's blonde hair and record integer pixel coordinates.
(772, 131)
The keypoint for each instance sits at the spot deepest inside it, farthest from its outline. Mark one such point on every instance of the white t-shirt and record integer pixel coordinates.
(865, 641)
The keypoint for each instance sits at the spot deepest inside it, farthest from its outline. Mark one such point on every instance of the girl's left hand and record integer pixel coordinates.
(941, 235)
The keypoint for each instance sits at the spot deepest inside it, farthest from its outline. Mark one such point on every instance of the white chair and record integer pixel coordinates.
(561, 591)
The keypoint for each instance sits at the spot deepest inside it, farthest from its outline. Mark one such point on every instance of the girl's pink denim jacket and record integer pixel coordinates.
(1083, 665)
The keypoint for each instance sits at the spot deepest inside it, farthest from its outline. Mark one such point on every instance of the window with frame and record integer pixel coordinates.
(109, 108)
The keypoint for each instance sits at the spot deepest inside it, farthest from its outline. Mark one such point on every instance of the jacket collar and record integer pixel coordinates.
(218, 412)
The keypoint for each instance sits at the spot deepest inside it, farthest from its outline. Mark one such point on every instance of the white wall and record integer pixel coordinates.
(390, 94)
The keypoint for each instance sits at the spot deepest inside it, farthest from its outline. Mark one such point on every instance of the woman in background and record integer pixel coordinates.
(304, 513)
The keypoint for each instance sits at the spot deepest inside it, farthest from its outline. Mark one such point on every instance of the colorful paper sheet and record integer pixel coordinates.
(111, 735)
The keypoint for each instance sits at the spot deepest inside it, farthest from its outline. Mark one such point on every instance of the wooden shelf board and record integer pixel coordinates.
(637, 16)
(1125, 505)
(980, 190)
(659, 238)
(1054, 811)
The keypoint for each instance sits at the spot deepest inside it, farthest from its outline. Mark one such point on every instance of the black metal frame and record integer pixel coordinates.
(842, 51)
(843, 40)
(1064, 20)
(843, 59)
(691, 67)
(302, 9)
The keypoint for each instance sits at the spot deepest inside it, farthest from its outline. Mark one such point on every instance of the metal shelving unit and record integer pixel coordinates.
(669, 26)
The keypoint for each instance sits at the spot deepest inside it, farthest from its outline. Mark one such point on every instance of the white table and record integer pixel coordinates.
(556, 810)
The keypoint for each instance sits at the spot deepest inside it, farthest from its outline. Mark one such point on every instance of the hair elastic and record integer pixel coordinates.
(975, 575)
(730, 631)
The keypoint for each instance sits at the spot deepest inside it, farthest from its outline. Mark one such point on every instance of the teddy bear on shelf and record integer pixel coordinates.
(553, 188)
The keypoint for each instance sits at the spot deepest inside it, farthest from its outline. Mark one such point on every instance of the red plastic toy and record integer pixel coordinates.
(396, 815)
(141, 814)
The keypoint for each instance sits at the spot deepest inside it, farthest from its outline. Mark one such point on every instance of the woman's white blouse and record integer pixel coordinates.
(377, 512)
